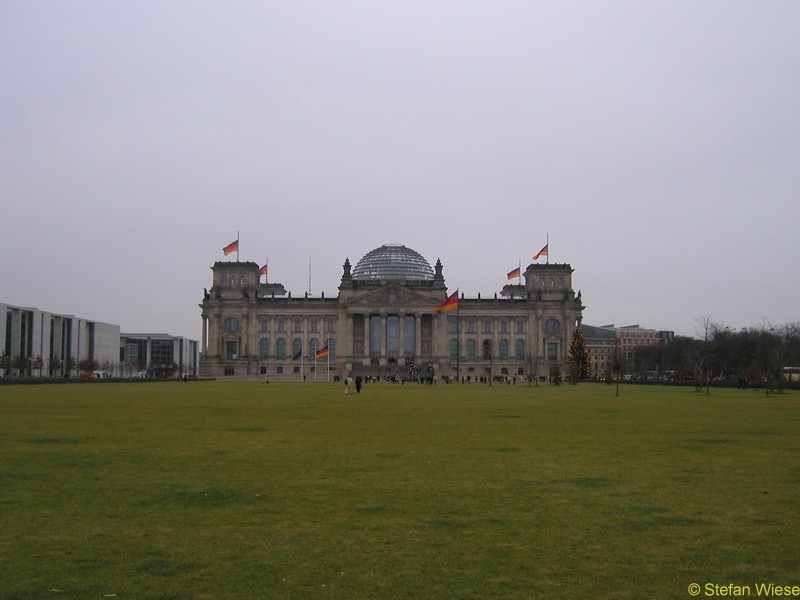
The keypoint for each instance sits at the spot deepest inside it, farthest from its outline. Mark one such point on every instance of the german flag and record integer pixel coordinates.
(322, 352)
(450, 304)
(514, 273)
(232, 247)
(543, 252)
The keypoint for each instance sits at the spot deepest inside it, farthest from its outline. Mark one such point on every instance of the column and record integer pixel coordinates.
(418, 336)
(384, 336)
(401, 348)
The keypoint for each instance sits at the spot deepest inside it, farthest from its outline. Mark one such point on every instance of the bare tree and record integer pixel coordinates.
(37, 362)
(706, 331)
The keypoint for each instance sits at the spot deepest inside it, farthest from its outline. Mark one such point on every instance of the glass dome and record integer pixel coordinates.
(393, 262)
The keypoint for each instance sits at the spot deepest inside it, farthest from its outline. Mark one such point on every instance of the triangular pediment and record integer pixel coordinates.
(392, 295)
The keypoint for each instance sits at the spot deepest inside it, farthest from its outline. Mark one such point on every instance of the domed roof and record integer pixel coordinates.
(393, 262)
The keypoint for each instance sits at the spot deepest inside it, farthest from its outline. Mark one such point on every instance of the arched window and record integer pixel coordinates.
(231, 324)
(519, 350)
(552, 326)
(331, 348)
(453, 350)
(313, 346)
(263, 348)
(280, 349)
(503, 349)
(486, 350)
(263, 325)
(470, 350)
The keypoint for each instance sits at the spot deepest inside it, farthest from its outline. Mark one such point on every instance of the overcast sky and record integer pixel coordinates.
(657, 143)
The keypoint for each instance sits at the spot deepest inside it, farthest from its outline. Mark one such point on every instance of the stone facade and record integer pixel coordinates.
(383, 323)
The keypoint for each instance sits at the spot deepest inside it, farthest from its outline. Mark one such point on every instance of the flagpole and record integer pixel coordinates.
(548, 249)
(519, 273)
(237, 245)
(458, 340)
(329, 361)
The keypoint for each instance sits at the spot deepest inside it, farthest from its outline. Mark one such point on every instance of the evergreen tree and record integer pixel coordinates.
(578, 357)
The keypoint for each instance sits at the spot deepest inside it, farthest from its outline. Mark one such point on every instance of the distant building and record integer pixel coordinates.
(157, 355)
(601, 344)
(384, 323)
(53, 345)
(604, 342)
(632, 337)
(51, 342)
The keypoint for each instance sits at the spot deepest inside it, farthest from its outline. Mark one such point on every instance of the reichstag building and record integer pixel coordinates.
(391, 319)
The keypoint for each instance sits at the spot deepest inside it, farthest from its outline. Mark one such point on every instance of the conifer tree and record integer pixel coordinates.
(578, 357)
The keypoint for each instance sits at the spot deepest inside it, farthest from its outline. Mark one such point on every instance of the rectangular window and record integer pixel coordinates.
(314, 326)
(298, 326)
(487, 327)
(393, 335)
(410, 335)
(331, 325)
(375, 336)
(520, 326)
(552, 350)
(503, 326)
(281, 325)
(162, 352)
(231, 349)
(470, 326)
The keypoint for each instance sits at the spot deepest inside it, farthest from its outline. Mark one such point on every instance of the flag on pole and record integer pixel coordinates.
(542, 252)
(450, 304)
(298, 354)
(322, 353)
(514, 273)
(263, 270)
(232, 247)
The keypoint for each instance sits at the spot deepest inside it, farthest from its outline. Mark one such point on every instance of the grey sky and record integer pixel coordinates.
(658, 143)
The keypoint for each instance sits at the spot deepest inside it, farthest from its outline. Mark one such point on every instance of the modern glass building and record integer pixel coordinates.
(37, 343)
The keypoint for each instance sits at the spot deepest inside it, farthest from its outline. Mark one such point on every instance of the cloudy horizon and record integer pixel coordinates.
(656, 144)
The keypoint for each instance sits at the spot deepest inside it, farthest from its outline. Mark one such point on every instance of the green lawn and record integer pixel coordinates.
(244, 490)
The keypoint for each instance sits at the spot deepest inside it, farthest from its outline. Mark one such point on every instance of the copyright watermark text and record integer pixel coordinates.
(733, 590)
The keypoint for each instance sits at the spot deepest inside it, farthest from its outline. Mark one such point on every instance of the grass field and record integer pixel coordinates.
(244, 490)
